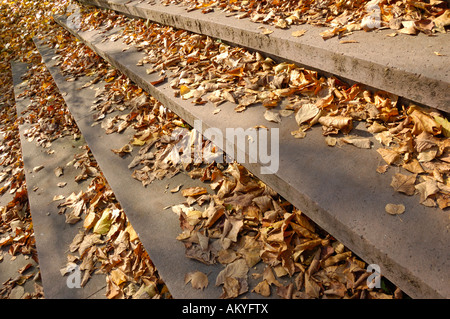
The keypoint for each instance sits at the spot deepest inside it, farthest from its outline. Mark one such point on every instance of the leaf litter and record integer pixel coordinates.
(248, 79)
(108, 243)
(405, 17)
(233, 218)
(338, 108)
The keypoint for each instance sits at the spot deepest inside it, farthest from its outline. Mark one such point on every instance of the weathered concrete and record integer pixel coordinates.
(403, 65)
(53, 235)
(338, 188)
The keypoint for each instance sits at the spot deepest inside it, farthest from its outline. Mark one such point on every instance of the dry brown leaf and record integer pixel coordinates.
(389, 156)
(194, 191)
(118, 277)
(427, 189)
(298, 33)
(272, 116)
(341, 123)
(359, 142)
(198, 279)
(306, 113)
(414, 167)
(312, 288)
(404, 183)
(423, 121)
(236, 269)
(395, 209)
(262, 288)
(266, 31)
(58, 171)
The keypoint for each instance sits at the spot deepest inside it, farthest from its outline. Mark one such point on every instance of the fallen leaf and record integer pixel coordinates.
(359, 142)
(59, 171)
(414, 167)
(312, 288)
(38, 168)
(272, 116)
(442, 21)
(306, 113)
(395, 209)
(266, 31)
(90, 220)
(341, 123)
(104, 223)
(198, 280)
(262, 288)
(427, 189)
(404, 183)
(194, 191)
(298, 33)
(124, 150)
(176, 189)
(445, 125)
(236, 269)
(389, 156)
(348, 41)
(118, 277)
(58, 197)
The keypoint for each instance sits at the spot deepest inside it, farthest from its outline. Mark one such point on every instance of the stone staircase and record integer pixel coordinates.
(337, 188)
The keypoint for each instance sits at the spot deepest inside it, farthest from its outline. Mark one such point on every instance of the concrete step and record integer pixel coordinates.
(53, 235)
(338, 188)
(403, 65)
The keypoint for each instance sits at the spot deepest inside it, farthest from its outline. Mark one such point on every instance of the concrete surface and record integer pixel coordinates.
(403, 65)
(53, 235)
(338, 188)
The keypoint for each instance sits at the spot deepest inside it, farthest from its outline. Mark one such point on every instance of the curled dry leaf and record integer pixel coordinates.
(272, 116)
(59, 171)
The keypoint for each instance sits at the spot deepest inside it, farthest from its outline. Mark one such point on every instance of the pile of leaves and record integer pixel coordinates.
(16, 227)
(408, 17)
(107, 243)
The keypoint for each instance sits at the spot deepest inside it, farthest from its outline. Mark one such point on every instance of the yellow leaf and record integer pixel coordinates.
(104, 223)
(118, 277)
(130, 230)
(90, 220)
(137, 142)
(445, 125)
(184, 89)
